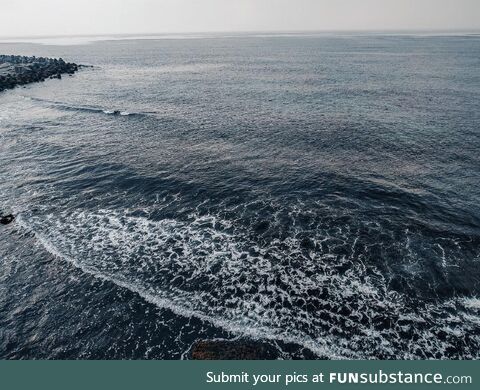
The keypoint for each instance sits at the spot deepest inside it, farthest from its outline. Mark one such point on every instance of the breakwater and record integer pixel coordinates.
(21, 70)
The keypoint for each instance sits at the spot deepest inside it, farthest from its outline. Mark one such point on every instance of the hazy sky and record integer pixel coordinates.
(64, 17)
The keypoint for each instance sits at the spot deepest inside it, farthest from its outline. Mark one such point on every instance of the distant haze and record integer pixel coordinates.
(62, 17)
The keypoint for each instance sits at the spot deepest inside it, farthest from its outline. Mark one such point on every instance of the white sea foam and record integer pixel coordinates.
(200, 268)
(254, 332)
(472, 303)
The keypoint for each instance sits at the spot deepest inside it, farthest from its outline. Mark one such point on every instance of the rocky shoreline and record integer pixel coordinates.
(232, 350)
(21, 70)
(244, 348)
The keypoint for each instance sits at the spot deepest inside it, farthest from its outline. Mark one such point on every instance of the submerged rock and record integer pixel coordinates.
(232, 350)
(6, 219)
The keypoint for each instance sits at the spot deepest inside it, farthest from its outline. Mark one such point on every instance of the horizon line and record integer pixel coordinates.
(240, 32)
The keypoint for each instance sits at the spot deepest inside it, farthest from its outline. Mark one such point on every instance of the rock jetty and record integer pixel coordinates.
(21, 70)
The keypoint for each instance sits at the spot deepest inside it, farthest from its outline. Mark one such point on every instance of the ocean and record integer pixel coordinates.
(318, 193)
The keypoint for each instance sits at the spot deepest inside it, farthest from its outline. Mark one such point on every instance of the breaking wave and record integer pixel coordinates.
(336, 306)
(82, 108)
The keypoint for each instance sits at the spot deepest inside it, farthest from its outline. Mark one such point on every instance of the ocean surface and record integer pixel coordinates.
(319, 193)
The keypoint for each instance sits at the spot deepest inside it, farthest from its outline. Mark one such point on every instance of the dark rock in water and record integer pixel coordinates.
(232, 350)
(6, 219)
(21, 70)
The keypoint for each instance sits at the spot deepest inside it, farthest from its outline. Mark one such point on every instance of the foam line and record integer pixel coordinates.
(163, 303)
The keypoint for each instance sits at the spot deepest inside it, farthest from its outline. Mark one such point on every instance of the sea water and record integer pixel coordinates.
(319, 193)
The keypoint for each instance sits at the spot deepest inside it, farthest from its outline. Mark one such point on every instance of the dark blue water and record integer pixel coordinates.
(318, 193)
